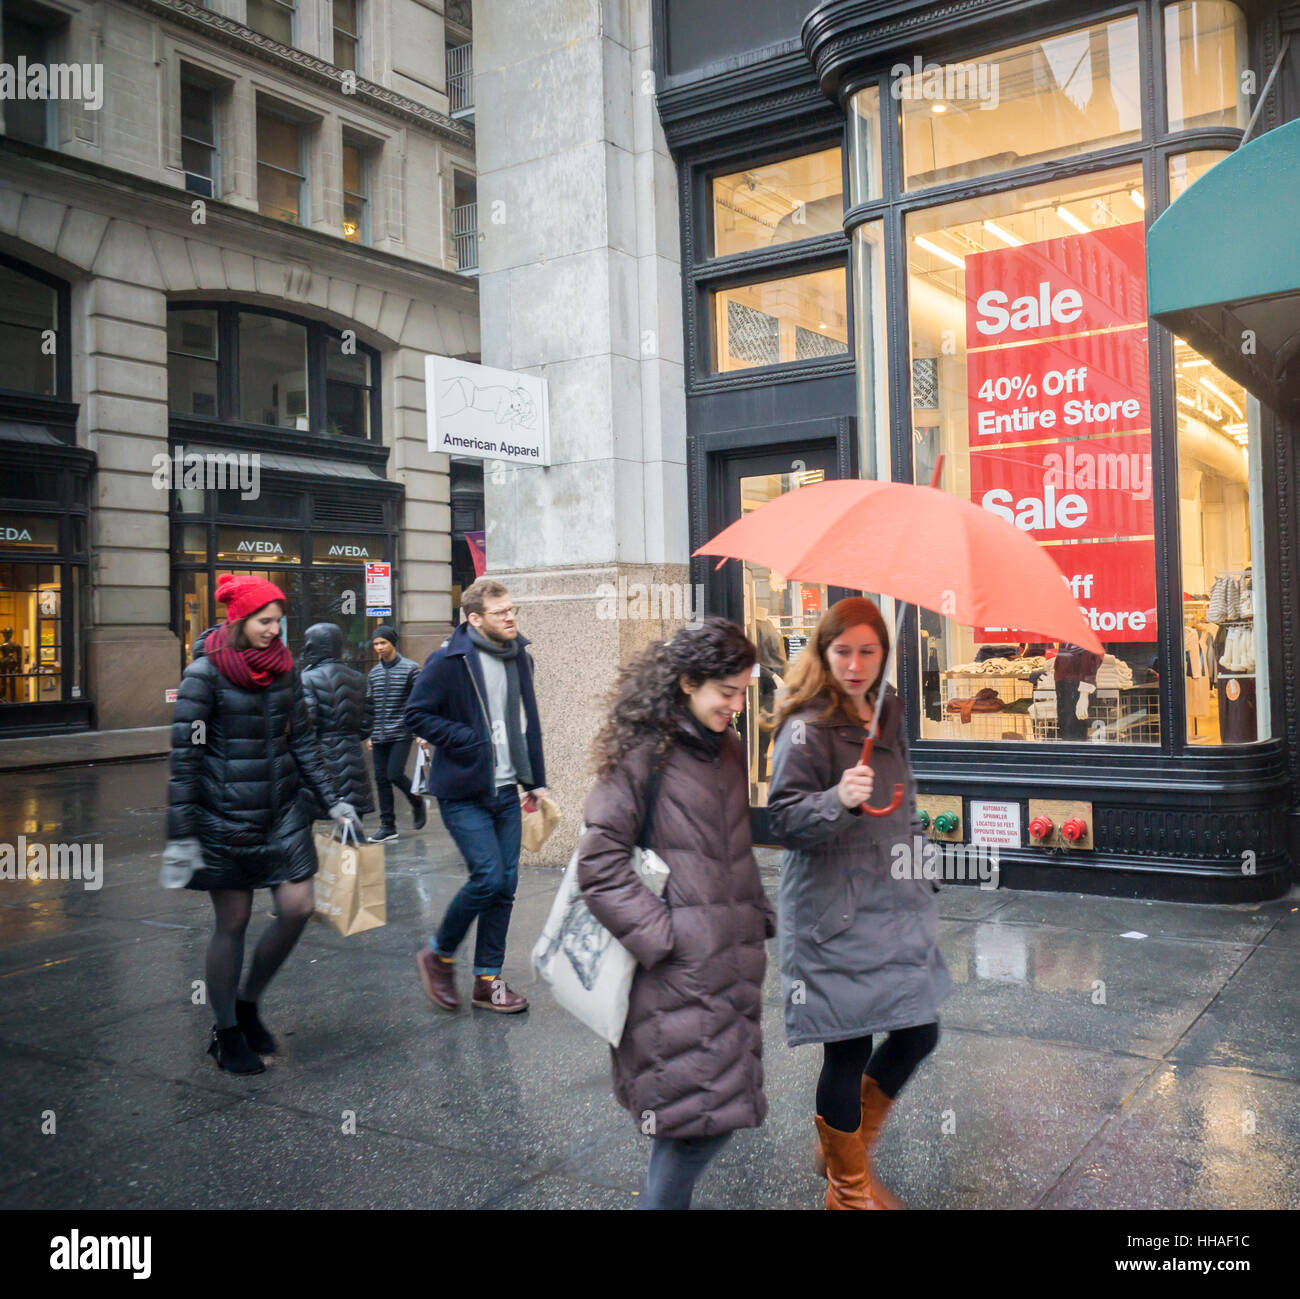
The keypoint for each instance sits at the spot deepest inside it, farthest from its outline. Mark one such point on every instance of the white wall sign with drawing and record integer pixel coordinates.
(475, 410)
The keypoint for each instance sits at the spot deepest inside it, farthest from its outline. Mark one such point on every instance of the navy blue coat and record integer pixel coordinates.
(448, 707)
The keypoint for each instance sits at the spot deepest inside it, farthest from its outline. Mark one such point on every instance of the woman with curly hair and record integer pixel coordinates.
(859, 936)
(689, 1065)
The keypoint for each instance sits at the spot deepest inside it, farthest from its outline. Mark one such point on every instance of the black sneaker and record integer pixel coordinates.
(419, 813)
(384, 836)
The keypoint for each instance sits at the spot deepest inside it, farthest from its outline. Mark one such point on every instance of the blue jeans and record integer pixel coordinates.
(675, 1165)
(487, 833)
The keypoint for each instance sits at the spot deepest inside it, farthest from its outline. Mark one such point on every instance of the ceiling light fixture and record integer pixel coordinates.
(958, 262)
(1072, 221)
(1138, 201)
(1006, 236)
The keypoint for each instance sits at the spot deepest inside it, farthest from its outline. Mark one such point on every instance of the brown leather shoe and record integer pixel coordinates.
(439, 980)
(847, 1183)
(875, 1109)
(495, 995)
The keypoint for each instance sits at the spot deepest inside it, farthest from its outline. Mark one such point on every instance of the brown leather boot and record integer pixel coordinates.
(438, 978)
(493, 994)
(875, 1109)
(847, 1183)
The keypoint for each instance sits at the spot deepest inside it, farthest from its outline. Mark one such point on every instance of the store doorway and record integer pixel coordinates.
(778, 615)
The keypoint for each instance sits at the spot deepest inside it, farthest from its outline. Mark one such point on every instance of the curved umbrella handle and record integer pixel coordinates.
(894, 803)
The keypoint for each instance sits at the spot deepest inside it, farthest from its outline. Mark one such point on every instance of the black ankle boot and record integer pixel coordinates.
(256, 1034)
(232, 1052)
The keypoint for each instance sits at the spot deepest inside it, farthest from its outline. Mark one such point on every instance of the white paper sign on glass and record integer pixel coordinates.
(995, 825)
(488, 414)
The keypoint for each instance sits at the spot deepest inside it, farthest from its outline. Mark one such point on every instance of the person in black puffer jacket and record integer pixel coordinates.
(237, 818)
(339, 714)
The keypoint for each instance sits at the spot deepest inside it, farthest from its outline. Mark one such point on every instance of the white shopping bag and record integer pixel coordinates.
(420, 777)
(589, 971)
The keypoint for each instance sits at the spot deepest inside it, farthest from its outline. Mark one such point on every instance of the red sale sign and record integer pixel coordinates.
(1094, 383)
(1073, 285)
(1061, 491)
(1115, 585)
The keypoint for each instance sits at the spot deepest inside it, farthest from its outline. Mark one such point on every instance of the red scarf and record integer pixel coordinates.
(252, 669)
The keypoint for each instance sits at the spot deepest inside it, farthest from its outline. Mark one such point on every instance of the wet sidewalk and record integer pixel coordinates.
(1080, 1065)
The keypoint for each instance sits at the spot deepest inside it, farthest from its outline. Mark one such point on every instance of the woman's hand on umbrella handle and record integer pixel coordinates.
(894, 804)
(856, 785)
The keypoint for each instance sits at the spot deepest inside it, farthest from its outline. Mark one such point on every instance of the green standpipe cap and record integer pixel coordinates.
(945, 822)
(924, 818)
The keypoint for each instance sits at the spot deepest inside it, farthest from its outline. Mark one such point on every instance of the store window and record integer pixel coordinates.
(1185, 169)
(347, 38)
(1221, 524)
(864, 145)
(872, 362)
(780, 618)
(1205, 56)
(356, 191)
(778, 202)
(1052, 98)
(797, 318)
(199, 137)
(1029, 375)
(273, 371)
(281, 169)
(29, 321)
(349, 390)
(31, 631)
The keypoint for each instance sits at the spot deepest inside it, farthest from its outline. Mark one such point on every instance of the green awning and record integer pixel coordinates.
(1223, 265)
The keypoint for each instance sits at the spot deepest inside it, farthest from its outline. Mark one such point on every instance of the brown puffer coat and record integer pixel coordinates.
(690, 1061)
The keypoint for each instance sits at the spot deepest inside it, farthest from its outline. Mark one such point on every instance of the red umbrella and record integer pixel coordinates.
(917, 544)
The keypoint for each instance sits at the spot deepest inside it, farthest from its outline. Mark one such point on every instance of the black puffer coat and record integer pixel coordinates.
(338, 712)
(691, 1052)
(238, 783)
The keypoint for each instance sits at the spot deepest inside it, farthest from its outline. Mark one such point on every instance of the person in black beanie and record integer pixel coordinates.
(388, 687)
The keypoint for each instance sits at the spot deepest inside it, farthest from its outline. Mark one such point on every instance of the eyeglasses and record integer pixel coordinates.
(508, 612)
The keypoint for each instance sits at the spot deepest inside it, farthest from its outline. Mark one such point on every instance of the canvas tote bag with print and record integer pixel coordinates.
(588, 970)
(350, 891)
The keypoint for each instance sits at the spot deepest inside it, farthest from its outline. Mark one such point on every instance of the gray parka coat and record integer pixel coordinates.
(859, 946)
(691, 1052)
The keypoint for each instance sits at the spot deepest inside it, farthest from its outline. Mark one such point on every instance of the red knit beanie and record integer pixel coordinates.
(243, 595)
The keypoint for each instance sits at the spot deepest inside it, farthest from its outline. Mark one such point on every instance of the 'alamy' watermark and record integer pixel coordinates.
(925, 859)
(63, 81)
(945, 82)
(209, 471)
(53, 861)
(651, 601)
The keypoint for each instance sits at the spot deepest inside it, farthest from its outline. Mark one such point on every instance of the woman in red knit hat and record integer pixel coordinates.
(241, 753)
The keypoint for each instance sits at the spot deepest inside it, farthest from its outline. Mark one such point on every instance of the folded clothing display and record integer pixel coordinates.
(985, 701)
(1239, 649)
(1000, 667)
(1114, 672)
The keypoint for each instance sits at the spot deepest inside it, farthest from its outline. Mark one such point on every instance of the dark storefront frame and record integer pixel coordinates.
(43, 473)
(1169, 819)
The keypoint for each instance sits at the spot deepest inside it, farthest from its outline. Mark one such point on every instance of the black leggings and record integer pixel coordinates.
(839, 1087)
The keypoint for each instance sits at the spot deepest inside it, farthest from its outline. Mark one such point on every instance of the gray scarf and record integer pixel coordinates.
(509, 656)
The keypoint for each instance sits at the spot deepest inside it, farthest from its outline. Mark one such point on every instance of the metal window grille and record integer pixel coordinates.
(460, 77)
(464, 229)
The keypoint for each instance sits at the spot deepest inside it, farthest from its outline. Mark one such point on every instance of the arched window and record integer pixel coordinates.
(251, 365)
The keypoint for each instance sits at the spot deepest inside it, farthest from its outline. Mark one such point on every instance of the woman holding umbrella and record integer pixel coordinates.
(858, 940)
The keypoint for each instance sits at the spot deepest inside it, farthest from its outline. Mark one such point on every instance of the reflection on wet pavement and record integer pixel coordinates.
(1078, 1066)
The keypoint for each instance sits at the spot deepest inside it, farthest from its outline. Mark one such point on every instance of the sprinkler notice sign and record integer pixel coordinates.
(1059, 407)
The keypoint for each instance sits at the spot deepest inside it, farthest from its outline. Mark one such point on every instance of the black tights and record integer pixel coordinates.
(233, 907)
(839, 1087)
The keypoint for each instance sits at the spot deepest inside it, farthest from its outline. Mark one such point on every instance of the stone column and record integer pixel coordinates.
(132, 654)
(580, 283)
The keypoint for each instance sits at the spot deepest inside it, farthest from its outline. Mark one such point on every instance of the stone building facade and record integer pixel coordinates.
(245, 248)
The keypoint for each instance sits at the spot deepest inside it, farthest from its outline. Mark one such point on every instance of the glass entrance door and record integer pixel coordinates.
(777, 613)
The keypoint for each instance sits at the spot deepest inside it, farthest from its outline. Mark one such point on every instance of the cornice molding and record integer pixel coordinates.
(228, 32)
(844, 34)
